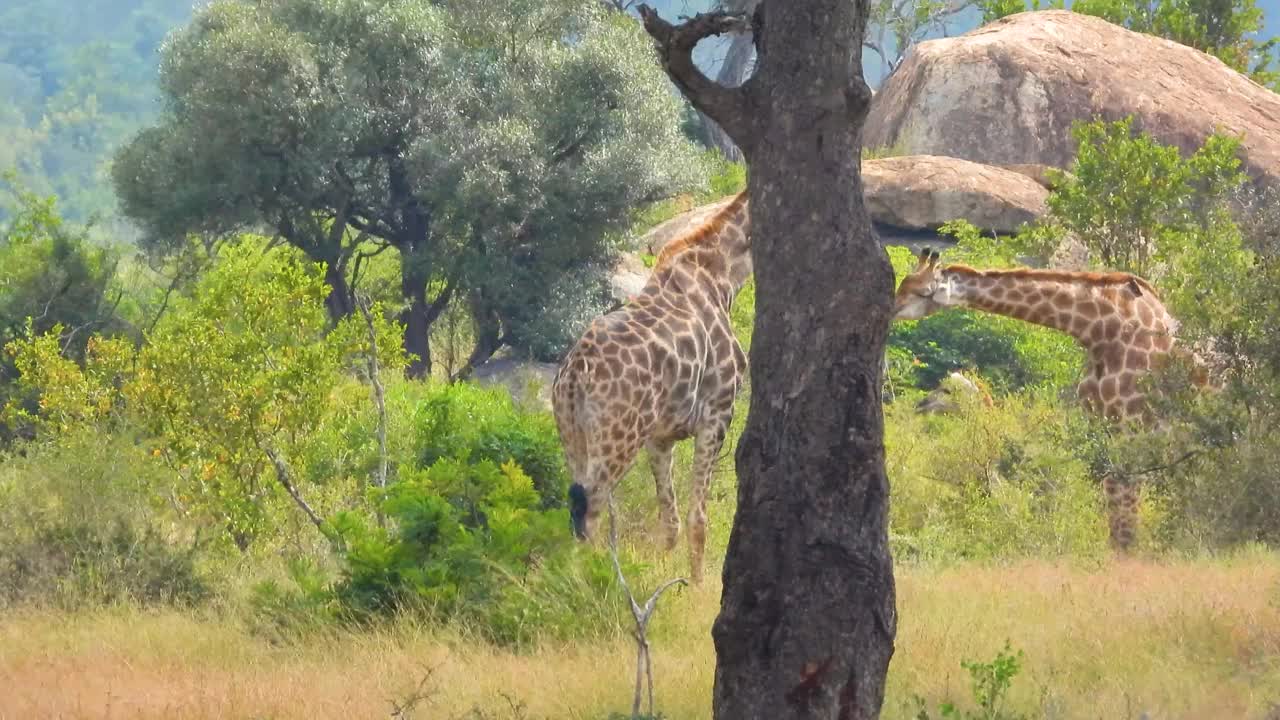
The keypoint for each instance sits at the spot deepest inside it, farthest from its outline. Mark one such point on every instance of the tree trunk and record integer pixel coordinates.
(338, 301)
(416, 316)
(807, 619)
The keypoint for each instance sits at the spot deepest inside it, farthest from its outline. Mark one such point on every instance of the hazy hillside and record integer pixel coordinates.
(79, 75)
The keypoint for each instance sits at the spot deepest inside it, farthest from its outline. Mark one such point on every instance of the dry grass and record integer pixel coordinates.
(1193, 639)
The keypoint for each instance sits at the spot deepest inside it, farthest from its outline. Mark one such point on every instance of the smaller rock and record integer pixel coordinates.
(943, 399)
(628, 277)
(1038, 172)
(924, 191)
(528, 382)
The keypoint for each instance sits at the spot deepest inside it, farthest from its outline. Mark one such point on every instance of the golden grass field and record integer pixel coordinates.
(1171, 639)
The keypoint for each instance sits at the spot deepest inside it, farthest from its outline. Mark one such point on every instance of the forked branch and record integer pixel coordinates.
(641, 615)
(727, 106)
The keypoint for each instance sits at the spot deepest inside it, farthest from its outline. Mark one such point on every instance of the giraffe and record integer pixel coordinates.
(663, 368)
(1117, 317)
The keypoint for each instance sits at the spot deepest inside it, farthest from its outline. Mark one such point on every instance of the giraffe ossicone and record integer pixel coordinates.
(1118, 318)
(663, 368)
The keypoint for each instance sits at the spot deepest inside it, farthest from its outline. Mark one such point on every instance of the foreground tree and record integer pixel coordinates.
(493, 145)
(808, 617)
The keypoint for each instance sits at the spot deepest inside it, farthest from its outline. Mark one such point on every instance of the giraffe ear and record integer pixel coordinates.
(1135, 288)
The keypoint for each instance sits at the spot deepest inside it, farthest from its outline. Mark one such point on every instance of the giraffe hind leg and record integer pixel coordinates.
(707, 445)
(660, 459)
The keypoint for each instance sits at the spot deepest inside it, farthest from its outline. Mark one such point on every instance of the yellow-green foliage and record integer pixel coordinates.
(990, 482)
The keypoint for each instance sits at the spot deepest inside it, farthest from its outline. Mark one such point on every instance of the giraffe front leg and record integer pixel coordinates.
(1122, 511)
(660, 459)
(707, 445)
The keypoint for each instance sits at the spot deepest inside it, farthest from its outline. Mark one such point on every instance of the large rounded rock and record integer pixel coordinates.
(1007, 93)
(922, 192)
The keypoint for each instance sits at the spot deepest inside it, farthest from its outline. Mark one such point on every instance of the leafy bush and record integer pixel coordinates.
(469, 423)
(990, 683)
(463, 541)
(991, 482)
(51, 281)
(77, 528)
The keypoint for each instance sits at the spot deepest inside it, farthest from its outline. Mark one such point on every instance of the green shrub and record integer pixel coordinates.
(71, 565)
(990, 684)
(469, 423)
(991, 482)
(1011, 354)
(77, 528)
(466, 542)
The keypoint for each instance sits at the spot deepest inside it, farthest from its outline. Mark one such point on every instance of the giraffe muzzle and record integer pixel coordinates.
(578, 510)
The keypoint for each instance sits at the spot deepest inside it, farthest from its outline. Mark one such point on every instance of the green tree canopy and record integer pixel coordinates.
(51, 280)
(493, 145)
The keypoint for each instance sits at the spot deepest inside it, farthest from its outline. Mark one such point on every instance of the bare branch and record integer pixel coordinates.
(379, 397)
(286, 480)
(727, 106)
(641, 615)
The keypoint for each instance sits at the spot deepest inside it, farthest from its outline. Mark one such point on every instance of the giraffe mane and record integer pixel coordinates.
(1066, 276)
(699, 235)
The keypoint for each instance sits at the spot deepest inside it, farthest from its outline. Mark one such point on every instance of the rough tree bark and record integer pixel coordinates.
(807, 618)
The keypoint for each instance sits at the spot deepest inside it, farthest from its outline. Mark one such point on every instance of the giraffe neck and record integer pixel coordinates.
(1087, 306)
(721, 246)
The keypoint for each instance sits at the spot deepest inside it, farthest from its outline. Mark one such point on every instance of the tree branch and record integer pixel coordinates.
(727, 106)
(379, 396)
(286, 481)
(641, 615)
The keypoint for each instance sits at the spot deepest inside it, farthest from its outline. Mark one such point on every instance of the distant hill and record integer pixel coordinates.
(78, 76)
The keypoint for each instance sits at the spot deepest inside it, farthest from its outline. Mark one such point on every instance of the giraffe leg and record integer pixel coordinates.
(660, 458)
(707, 444)
(1122, 511)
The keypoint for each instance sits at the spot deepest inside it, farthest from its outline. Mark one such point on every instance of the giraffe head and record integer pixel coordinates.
(924, 291)
(578, 510)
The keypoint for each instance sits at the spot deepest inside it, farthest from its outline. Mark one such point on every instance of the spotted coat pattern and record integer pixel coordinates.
(663, 368)
(1117, 317)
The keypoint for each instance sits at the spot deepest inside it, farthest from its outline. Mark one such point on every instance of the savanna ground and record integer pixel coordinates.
(1116, 639)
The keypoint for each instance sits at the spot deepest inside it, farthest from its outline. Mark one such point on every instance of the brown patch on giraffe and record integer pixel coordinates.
(1136, 360)
(1108, 387)
(1145, 316)
(1128, 384)
(1111, 327)
(1088, 309)
(1135, 407)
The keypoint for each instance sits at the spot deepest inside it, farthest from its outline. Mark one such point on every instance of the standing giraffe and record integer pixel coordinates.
(1117, 317)
(663, 368)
